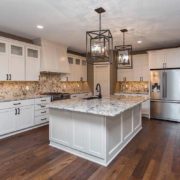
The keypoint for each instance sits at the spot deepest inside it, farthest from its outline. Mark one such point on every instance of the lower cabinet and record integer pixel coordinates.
(19, 115)
(7, 121)
(25, 117)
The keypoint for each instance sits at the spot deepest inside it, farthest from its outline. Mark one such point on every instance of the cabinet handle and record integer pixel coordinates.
(19, 111)
(15, 111)
(43, 112)
(42, 100)
(43, 119)
(42, 106)
(7, 77)
(15, 104)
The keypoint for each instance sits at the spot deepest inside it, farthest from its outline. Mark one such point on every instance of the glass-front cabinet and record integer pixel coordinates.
(32, 63)
(4, 60)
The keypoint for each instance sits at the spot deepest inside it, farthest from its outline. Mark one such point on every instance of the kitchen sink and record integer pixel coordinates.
(91, 97)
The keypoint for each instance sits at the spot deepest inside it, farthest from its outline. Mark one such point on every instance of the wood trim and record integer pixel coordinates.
(76, 53)
(14, 37)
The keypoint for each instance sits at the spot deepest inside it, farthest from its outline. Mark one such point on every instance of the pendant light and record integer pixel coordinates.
(124, 54)
(99, 43)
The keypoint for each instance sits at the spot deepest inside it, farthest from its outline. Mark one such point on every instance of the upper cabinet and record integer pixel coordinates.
(19, 61)
(140, 71)
(78, 68)
(32, 63)
(16, 62)
(53, 57)
(4, 60)
(167, 58)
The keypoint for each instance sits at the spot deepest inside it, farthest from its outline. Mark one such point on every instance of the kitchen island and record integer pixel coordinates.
(96, 129)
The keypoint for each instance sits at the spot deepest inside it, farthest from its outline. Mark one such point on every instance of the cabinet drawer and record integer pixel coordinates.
(43, 100)
(41, 106)
(13, 104)
(41, 119)
(41, 112)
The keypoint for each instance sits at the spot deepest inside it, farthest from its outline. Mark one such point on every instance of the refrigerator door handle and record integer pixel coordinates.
(163, 84)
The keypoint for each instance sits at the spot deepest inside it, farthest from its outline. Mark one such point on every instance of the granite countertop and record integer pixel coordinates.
(18, 98)
(111, 106)
(138, 93)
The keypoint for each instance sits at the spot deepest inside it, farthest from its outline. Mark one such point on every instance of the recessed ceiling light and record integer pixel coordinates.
(40, 27)
(139, 42)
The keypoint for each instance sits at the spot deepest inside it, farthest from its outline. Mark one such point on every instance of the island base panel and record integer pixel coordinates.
(93, 137)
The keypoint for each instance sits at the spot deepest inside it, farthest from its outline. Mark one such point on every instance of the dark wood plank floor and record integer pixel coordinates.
(153, 154)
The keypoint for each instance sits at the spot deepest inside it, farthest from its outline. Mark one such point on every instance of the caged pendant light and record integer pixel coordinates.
(99, 43)
(124, 54)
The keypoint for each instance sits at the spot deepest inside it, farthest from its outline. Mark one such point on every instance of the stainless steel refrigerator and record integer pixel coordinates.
(165, 94)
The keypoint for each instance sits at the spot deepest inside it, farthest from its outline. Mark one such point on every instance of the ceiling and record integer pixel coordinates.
(155, 22)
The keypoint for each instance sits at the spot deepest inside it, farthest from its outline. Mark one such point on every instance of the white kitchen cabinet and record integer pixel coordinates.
(17, 62)
(172, 58)
(78, 68)
(166, 58)
(156, 59)
(102, 76)
(32, 63)
(20, 115)
(24, 117)
(140, 71)
(84, 70)
(4, 60)
(7, 121)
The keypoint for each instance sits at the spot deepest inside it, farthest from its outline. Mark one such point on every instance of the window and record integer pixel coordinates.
(70, 60)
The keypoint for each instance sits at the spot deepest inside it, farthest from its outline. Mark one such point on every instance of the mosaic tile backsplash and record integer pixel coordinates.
(48, 83)
(132, 87)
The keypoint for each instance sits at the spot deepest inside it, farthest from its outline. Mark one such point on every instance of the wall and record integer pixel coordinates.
(48, 83)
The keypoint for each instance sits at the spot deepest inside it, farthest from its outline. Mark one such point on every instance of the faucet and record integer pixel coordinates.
(98, 89)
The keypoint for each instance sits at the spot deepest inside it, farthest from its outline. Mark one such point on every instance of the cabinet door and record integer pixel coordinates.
(4, 60)
(7, 121)
(173, 58)
(25, 117)
(156, 59)
(77, 71)
(17, 62)
(84, 70)
(32, 63)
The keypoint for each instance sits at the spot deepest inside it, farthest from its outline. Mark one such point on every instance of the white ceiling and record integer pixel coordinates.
(155, 22)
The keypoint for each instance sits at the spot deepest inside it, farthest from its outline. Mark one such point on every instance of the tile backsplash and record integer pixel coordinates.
(132, 87)
(48, 83)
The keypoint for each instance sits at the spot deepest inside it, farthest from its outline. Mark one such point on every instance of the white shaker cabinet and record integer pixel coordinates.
(173, 58)
(17, 62)
(166, 58)
(32, 63)
(24, 117)
(156, 59)
(4, 60)
(7, 121)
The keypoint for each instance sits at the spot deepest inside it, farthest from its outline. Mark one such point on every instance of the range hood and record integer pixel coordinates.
(53, 57)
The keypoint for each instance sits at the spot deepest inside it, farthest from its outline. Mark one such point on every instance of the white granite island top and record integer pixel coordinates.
(111, 106)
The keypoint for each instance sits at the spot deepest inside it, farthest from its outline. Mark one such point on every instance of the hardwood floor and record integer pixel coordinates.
(153, 154)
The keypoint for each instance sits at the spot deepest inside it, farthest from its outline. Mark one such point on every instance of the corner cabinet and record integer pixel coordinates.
(166, 58)
(19, 61)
